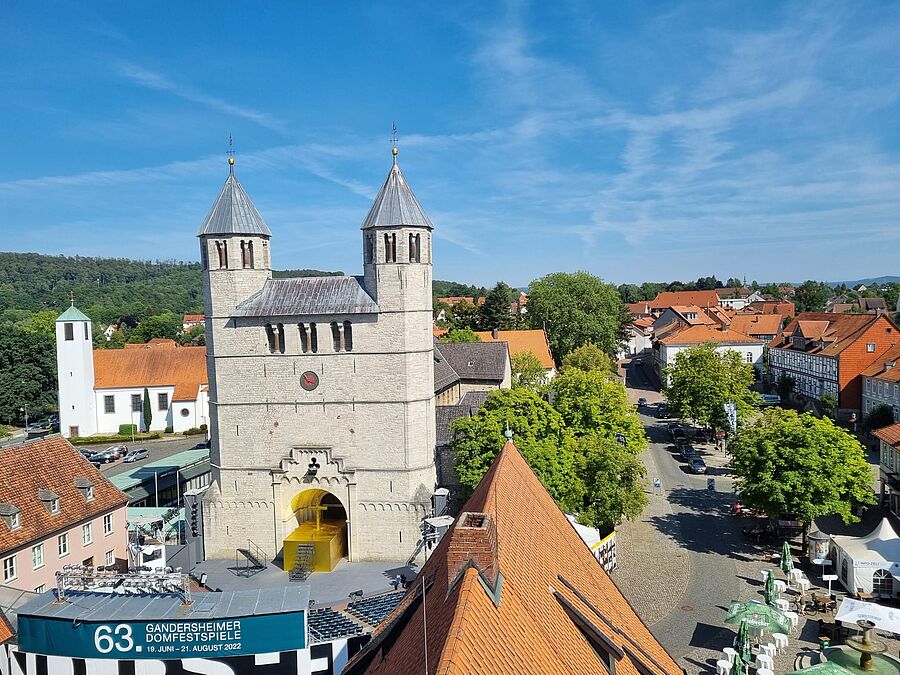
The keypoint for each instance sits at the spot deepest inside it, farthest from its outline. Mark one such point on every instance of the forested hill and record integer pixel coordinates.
(105, 288)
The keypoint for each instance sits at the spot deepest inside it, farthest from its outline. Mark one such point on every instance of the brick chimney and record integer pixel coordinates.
(473, 540)
(495, 334)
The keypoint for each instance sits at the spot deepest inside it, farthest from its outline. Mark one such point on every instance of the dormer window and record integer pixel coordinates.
(85, 487)
(11, 516)
(54, 505)
(50, 500)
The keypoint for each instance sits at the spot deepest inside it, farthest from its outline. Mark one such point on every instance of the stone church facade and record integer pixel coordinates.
(319, 387)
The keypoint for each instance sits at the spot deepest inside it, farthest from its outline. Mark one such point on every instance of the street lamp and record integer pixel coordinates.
(24, 409)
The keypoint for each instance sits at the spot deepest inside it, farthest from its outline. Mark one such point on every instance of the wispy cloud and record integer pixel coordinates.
(150, 79)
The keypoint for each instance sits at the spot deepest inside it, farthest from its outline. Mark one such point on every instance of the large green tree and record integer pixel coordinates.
(165, 325)
(590, 402)
(460, 335)
(811, 296)
(528, 371)
(800, 467)
(702, 380)
(147, 410)
(538, 431)
(613, 481)
(495, 312)
(576, 308)
(27, 374)
(589, 357)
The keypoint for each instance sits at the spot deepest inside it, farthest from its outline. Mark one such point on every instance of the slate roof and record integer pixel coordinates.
(233, 212)
(878, 369)
(505, 592)
(445, 415)
(308, 296)
(444, 375)
(870, 304)
(396, 204)
(51, 464)
(72, 314)
(152, 365)
(519, 341)
(840, 332)
(477, 360)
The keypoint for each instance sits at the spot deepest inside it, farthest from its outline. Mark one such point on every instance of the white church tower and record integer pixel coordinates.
(75, 370)
(321, 389)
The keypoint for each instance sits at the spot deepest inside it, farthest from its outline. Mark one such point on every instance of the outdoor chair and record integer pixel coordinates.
(723, 667)
(781, 642)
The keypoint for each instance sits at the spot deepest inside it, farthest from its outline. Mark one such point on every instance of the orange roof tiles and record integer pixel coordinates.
(194, 318)
(841, 330)
(638, 308)
(673, 298)
(153, 365)
(49, 464)
(883, 372)
(503, 593)
(889, 434)
(519, 341)
(757, 324)
(693, 315)
(6, 631)
(696, 335)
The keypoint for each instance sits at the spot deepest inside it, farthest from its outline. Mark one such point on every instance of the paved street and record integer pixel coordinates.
(159, 449)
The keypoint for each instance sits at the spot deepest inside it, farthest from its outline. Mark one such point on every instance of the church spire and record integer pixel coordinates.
(233, 212)
(395, 204)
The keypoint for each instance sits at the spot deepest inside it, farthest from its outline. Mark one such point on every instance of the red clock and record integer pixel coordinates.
(309, 380)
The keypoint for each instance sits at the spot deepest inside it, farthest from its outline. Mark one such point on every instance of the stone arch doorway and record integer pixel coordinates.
(319, 540)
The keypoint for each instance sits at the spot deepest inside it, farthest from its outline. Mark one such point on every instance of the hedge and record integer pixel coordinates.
(127, 429)
(113, 438)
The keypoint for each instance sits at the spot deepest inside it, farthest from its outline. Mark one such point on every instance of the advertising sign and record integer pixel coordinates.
(163, 639)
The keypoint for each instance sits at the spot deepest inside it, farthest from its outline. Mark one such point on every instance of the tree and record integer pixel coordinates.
(811, 296)
(27, 374)
(702, 380)
(460, 335)
(589, 357)
(147, 411)
(528, 371)
(539, 433)
(463, 314)
(591, 403)
(195, 336)
(613, 481)
(734, 282)
(43, 322)
(575, 309)
(708, 283)
(495, 312)
(800, 467)
(882, 415)
(785, 385)
(630, 293)
(166, 325)
(829, 403)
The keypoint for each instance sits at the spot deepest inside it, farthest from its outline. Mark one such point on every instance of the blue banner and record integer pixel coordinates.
(163, 639)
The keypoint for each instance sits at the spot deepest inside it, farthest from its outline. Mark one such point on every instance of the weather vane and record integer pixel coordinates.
(230, 151)
(394, 140)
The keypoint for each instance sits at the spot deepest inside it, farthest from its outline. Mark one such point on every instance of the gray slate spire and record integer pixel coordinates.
(233, 212)
(396, 204)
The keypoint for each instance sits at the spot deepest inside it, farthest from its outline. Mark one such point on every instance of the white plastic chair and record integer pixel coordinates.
(780, 586)
(781, 641)
(803, 584)
(764, 661)
(764, 574)
(782, 604)
(795, 574)
(730, 654)
(765, 671)
(722, 667)
(793, 617)
(768, 649)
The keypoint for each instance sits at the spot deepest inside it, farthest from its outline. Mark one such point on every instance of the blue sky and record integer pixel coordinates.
(638, 141)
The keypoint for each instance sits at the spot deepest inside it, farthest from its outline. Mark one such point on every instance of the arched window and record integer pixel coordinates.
(882, 583)
(313, 339)
(271, 337)
(304, 338)
(336, 335)
(390, 247)
(280, 338)
(348, 337)
(222, 251)
(246, 254)
(415, 250)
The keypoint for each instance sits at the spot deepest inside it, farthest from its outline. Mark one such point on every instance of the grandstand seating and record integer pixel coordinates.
(326, 624)
(374, 610)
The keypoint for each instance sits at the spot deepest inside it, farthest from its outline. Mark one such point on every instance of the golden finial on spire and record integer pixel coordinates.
(394, 141)
(72, 297)
(230, 153)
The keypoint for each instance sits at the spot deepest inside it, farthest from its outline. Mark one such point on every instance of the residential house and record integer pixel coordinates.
(56, 509)
(825, 352)
(783, 307)
(191, 320)
(889, 466)
(521, 341)
(666, 299)
(765, 327)
(881, 383)
(639, 309)
(738, 298)
(640, 337)
(461, 367)
(873, 305)
(512, 588)
(682, 315)
(670, 344)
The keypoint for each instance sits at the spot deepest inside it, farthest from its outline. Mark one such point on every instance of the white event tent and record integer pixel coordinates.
(870, 563)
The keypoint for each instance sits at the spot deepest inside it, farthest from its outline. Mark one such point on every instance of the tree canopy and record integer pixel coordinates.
(27, 374)
(528, 371)
(811, 296)
(613, 482)
(577, 308)
(460, 335)
(882, 415)
(589, 357)
(495, 312)
(702, 380)
(800, 467)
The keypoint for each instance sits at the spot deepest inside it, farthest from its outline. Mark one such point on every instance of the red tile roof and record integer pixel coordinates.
(49, 464)
(6, 631)
(639, 308)
(879, 369)
(696, 335)
(673, 298)
(504, 592)
(889, 434)
(520, 341)
(694, 315)
(837, 331)
(152, 365)
(193, 318)
(757, 324)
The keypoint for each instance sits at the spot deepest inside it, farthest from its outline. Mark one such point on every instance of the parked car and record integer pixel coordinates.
(680, 442)
(119, 450)
(136, 454)
(642, 402)
(110, 454)
(674, 429)
(204, 445)
(697, 465)
(771, 399)
(688, 452)
(87, 453)
(662, 411)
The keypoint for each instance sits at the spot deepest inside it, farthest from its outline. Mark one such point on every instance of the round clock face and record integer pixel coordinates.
(309, 380)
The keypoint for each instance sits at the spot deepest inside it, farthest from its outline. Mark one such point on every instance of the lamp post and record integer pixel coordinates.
(24, 409)
(133, 425)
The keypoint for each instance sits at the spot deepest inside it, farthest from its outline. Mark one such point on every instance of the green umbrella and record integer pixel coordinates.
(738, 668)
(744, 650)
(787, 562)
(823, 668)
(757, 615)
(770, 589)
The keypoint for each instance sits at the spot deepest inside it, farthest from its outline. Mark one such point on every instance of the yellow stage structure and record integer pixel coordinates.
(324, 525)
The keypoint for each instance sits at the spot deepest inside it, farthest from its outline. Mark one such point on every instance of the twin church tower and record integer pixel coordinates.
(321, 389)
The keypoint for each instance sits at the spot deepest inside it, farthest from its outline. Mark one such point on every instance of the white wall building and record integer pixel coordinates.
(668, 347)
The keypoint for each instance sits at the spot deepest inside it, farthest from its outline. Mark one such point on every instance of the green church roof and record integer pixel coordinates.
(73, 314)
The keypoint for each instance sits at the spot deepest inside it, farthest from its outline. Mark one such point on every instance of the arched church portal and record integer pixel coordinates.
(320, 538)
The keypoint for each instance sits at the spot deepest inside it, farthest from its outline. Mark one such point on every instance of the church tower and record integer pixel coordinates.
(75, 372)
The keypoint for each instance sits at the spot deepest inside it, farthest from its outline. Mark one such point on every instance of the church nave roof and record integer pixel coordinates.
(308, 296)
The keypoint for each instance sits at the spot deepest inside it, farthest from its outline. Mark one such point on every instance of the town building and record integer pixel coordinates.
(522, 341)
(639, 337)
(881, 383)
(462, 367)
(321, 389)
(783, 307)
(738, 298)
(889, 466)
(826, 352)
(764, 327)
(666, 299)
(669, 344)
(191, 320)
(512, 588)
(56, 509)
(102, 389)
(682, 315)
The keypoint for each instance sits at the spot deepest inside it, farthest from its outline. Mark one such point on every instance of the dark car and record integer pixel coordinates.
(110, 454)
(662, 411)
(697, 465)
(642, 401)
(202, 446)
(136, 454)
(688, 452)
